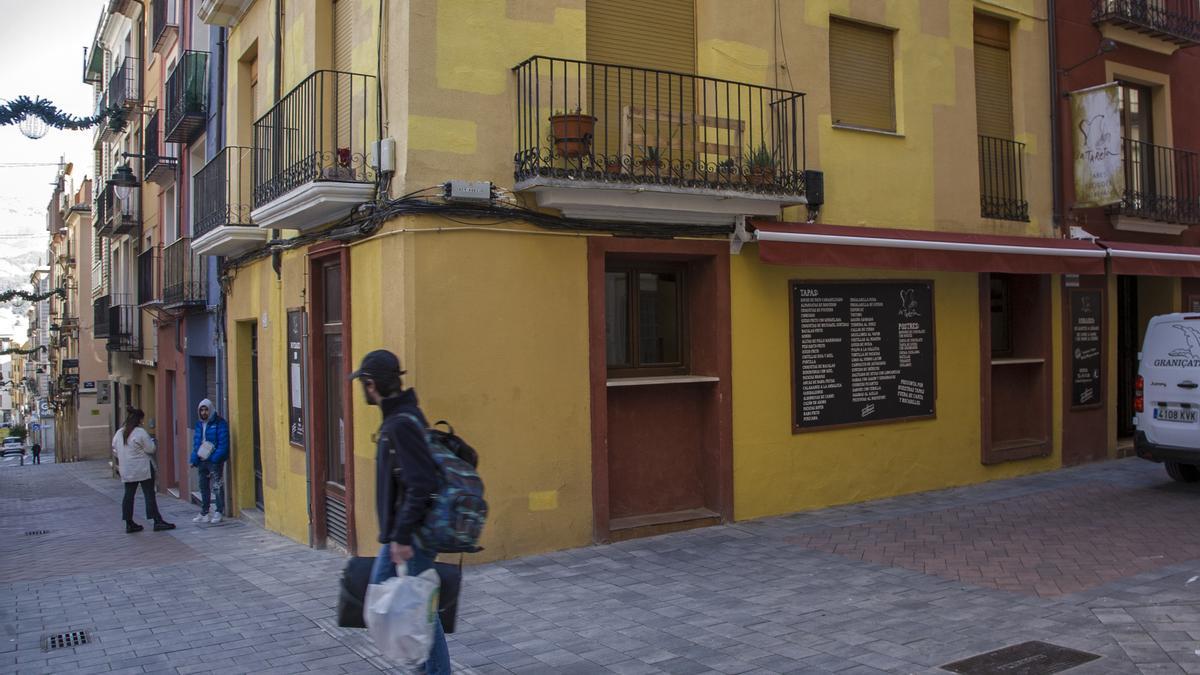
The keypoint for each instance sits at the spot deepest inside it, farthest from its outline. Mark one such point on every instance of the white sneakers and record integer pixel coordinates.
(216, 517)
(202, 518)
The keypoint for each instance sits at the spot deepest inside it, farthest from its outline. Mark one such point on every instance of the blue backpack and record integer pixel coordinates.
(457, 511)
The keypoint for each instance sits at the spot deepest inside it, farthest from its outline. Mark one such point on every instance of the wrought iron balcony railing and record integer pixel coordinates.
(160, 158)
(1161, 183)
(147, 277)
(1002, 179)
(100, 316)
(322, 130)
(100, 221)
(223, 191)
(1175, 21)
(125, 84)
(165, 25)
(187, 98)
(184, 274)
(124, 325)
(617, 124)
(123, 215)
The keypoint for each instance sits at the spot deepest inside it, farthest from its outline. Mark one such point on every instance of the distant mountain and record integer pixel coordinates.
(24, 240)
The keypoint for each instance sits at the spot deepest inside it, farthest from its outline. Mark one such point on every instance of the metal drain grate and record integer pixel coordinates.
(32, 533)
(1027, 658)
(64, 640)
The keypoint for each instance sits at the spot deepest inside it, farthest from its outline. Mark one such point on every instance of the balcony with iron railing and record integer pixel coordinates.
(184, 275)
(221, 205)
(123, 214)
(124, 325)
(1162, 188)
(616, 142)
(147, 277)
(100, 316)
(1172, 21)
(125, 84)
(187, 98)
(165, 24)
(312, 150)
(100, 221)
(1002, 179)
(160, 158)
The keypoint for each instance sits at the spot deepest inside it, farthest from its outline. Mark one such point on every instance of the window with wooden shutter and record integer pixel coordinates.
(993, 78)
(861, 77)
(341, 87)
(660, 35)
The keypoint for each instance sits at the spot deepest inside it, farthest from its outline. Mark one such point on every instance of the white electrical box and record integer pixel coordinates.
(383, 155)
(467, 191)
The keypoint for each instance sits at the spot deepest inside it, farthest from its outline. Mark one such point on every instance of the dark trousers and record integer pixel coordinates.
(147, 494)
(37, 457)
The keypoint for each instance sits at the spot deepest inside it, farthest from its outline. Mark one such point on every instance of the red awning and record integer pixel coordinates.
(800, 244)
(1151, 260)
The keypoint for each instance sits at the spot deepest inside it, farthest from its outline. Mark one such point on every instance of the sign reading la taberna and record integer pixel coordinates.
(1096, 129)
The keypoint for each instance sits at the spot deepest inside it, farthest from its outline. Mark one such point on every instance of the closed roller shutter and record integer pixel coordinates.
(341, 86)
(343, 34)
(993, 78)
(659, 35)
(861, 82)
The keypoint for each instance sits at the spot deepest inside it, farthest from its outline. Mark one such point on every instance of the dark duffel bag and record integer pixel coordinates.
(357, 576)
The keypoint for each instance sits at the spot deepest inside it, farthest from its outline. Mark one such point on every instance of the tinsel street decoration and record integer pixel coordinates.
(7, 296)
(12, 112)
(23, 352)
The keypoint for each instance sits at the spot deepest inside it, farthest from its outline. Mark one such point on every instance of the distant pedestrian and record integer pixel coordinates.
(210, 449)
(405, 476)
(135, 456)
(37, 453)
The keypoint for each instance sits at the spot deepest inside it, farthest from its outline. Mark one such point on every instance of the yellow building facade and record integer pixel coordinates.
(508, 321)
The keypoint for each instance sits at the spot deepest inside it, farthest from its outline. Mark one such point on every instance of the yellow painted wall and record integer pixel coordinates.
(776, 471)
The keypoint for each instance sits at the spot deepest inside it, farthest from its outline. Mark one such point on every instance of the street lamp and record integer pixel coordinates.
(123, 181)
(1106, 46)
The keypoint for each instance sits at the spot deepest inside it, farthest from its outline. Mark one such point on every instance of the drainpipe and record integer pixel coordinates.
(1055, 135)
(276, 256)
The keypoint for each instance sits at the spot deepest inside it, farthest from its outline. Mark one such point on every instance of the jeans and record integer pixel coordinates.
(439, 655)
(147, 495)
(212, 479)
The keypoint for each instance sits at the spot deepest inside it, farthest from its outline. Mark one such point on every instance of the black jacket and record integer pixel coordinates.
(405, 473)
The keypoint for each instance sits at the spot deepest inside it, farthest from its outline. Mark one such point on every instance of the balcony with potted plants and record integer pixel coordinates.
(1169, 24)
(620, 143)
(187, 98)
(222, 204)
(312, 150)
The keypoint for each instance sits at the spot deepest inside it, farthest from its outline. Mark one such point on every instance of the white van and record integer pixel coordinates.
(1166, 398)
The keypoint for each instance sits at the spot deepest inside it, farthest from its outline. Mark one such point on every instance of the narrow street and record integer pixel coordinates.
(1101, 559)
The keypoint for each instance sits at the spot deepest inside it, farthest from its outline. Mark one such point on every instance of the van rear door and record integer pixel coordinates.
(1170, 371)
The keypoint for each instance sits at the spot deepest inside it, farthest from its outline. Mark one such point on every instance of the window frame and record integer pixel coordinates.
(635, 368)
(1004, 283)
(895, 106)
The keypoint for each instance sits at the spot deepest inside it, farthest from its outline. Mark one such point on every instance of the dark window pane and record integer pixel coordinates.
(1001, 317)
(616, 317)
(335, 429)
(658, 318)
(333, 294)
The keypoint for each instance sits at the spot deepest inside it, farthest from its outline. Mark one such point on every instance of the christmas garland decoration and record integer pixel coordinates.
(8, 295)
(23, 352)
(12, 112)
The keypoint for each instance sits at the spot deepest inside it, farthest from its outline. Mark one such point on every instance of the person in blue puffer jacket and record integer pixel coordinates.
(210, 449)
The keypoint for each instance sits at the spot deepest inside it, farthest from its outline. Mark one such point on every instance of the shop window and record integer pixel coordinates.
(1015, 366)
(861, 78)
(645, 320)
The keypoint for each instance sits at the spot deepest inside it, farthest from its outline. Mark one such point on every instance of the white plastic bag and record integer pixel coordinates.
(399, 614)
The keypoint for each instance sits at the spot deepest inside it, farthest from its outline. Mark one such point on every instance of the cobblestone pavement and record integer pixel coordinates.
(1103, 559)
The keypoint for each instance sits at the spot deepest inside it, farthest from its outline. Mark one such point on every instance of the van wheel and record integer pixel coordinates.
(1184, 473)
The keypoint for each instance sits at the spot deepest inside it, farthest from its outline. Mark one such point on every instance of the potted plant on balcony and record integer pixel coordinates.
(572, 132)
(762, 165)
(652, 159)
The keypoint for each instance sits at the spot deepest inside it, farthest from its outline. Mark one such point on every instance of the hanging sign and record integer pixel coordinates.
(1096, 133)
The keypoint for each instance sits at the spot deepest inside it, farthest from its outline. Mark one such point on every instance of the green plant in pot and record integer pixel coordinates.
(573, 133)
(762, 165)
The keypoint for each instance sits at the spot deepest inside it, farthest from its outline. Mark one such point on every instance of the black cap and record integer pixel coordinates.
(378, 364)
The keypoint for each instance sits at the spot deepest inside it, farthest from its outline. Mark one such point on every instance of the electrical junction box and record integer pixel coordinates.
(383, 155)
(467, 191)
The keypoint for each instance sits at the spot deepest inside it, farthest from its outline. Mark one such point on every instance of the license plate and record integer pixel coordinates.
(1185, 415)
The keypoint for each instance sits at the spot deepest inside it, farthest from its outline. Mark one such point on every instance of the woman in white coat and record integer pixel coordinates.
(135, 456)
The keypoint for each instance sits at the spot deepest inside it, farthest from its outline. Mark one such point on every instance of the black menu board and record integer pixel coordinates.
(1085, 347)
(862, 352)
(295, 327)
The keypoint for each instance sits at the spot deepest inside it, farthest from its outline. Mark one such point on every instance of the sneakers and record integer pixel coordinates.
(131, 527)
(160, 525)
(202, 518)
(216, 517)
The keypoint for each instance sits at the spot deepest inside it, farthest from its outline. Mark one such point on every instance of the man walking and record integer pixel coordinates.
(405, 476)
(37, 453)
(210, 449)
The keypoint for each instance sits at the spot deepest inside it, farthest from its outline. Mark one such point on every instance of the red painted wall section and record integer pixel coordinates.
(1078, 38)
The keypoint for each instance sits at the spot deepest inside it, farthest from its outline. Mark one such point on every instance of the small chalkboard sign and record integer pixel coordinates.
(862, 352)
(1086, 362)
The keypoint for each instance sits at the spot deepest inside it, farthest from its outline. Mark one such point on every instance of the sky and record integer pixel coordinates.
(41, 47)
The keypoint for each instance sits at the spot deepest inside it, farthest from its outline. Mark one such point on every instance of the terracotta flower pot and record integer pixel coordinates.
(572, 133)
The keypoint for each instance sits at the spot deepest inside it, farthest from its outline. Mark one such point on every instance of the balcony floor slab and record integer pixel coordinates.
(312, 205)
(229, 240)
